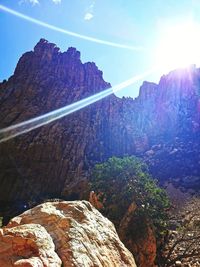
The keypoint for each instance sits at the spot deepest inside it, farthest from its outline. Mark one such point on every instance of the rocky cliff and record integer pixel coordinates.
(58, 155)
(162, 125)
(67, 234)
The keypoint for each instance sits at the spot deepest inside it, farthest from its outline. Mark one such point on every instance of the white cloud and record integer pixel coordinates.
(89, 11)
(33, 2)
(57, 1)
(92, 6)
(37, 2)
(88, 16)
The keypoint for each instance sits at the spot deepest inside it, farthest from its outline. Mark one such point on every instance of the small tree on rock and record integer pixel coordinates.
(120, 182)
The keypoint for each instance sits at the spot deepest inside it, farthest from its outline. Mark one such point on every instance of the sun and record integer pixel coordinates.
(179, 46)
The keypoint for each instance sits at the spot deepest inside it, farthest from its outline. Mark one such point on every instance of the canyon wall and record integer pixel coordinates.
(162, 125)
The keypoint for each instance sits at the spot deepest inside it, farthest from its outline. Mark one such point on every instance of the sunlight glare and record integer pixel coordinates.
(179, 46)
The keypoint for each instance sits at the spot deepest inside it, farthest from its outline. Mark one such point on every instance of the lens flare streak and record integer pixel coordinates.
(74, 34)
(29, 125)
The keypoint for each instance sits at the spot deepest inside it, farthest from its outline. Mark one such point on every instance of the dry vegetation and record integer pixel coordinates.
(182, 244)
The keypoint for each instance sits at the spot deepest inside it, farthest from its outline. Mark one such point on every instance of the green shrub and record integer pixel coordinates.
(122, 181)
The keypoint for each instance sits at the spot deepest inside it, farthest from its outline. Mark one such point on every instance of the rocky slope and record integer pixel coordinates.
(62, 234)
(162, 125)
(182, 246)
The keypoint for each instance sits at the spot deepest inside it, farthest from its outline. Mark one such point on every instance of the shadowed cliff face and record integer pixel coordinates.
(39, 163)
(162, 125)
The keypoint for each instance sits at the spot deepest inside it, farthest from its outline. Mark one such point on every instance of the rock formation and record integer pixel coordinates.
(162, 125)
(64, 234)
(138, 235)
(27, 245)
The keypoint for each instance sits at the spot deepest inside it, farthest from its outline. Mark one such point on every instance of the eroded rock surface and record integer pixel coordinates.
(138, 235)
(73, 233)
(161, 125)
(135, 232)
(27, 245)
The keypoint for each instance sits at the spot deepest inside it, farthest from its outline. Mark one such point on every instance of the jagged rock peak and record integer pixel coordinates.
(67, 67)
(182, 81)
(147, 90)
(44, 45)
(180, 74)
(73, 52)
(91, 67)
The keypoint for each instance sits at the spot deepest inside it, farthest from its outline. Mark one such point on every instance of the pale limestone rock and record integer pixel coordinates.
(82, 237)
(27, 245)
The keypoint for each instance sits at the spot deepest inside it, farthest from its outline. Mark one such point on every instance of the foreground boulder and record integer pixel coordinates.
(27, 245)
(62, 234)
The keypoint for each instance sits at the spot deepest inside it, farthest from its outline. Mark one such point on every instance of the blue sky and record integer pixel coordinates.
(129, 22)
